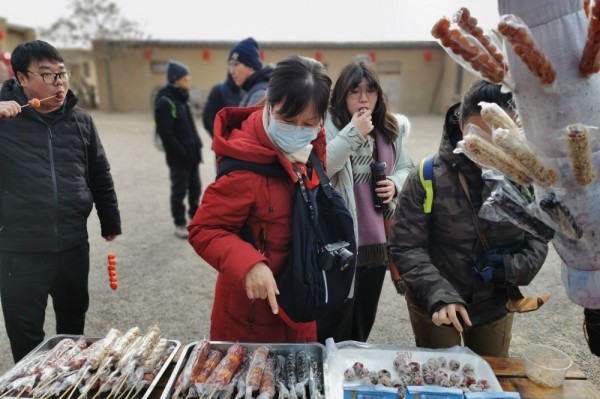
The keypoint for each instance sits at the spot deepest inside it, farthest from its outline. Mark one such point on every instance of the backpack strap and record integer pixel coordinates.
(173, 107)
(426, 176)
(230, 164)
(223, 96)
(323, 179)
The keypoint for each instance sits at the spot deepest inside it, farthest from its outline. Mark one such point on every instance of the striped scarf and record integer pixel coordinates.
(372, 240)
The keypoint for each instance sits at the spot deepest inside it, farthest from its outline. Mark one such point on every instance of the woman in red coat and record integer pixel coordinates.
(285, 130)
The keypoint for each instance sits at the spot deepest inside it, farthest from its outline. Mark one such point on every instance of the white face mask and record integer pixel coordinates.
(291, 138)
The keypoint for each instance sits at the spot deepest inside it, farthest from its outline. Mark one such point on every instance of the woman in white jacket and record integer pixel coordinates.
(360, 132)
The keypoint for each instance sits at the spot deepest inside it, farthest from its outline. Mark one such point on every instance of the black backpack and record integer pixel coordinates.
(319, 275)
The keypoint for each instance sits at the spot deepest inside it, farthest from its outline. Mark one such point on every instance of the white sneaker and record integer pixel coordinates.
(181, 232)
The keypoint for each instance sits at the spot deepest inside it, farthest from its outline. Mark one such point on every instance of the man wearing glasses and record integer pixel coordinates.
(53, 171)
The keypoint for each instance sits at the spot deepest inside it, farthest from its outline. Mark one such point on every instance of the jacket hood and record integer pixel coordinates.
(261, 75)
(172, 92)
(240, 134)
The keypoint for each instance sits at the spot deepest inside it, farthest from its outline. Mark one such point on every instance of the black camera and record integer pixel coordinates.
(335, 254)
(377, 175)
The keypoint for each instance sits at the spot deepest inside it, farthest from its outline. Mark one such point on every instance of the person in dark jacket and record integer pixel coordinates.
(435, 253)
(53, 171)
(248, 72)
(223, 94)
(183, 148)
(284, 130)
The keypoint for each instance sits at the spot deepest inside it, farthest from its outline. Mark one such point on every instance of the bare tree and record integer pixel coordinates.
(92, 20)
(98, 21)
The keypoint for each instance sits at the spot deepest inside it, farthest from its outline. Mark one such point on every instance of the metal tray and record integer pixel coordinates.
(51, 342)
(315, 349)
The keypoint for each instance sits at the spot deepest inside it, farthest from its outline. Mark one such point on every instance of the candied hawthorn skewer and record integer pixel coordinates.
(35, 103)
(112, 271)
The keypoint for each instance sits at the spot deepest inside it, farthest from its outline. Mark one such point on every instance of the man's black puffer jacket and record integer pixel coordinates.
(53, 170)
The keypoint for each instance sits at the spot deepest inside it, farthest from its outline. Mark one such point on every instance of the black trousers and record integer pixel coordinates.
(592, 329)
(26, 280)
(184, 181)
(355, 319)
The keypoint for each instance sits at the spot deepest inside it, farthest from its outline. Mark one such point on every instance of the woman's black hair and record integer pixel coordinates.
(35, 50)
(482, 90)
(297, 82)
(350, 77)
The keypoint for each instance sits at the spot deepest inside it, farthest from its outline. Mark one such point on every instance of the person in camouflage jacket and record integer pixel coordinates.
(436, 252)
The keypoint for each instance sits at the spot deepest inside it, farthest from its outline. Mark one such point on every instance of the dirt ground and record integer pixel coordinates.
(163, 282)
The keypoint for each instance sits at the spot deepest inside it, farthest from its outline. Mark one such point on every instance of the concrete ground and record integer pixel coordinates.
(163, 282)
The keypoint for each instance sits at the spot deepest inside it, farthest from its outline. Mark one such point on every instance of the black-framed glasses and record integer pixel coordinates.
(357, 93)
(49, 78)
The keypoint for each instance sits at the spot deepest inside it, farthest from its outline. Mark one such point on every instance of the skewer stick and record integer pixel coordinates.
(6, 393)
(43, 99)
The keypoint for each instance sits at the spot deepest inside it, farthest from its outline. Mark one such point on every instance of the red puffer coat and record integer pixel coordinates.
(265, 204)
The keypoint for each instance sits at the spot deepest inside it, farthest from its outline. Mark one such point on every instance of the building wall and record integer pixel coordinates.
(418, 78)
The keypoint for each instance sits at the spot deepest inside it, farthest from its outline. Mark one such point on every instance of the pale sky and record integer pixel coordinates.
(271, 20)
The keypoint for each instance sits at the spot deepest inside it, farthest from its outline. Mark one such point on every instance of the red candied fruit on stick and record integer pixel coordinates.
(34, 103)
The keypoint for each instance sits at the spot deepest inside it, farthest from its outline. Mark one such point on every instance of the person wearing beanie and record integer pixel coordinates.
(181, 142)
(247, 71)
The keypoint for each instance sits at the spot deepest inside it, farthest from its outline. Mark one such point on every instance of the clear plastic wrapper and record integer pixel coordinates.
(579, 147)
(516, 145)
(557, 214)
(468, 51)
(497, 118)
(477, 145)
(468, 23)
(508, 202)
(257, 367)
(590, 62)
(517, 33)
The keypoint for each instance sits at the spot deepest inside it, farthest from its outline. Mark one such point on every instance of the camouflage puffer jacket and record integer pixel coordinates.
(435, 252)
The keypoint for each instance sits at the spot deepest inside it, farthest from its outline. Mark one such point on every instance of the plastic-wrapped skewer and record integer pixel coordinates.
(239, 376)
(487, 154)
(150, 375)
(95, 358)
(514, 145)
(140, 354)
(117, 351)
(280, 381)
(514, 29)
(590, 62)
(560, 215)
(23, 385)
(21, 369)
(302, 372)
(212, 361)
(315, 377)
(137, 380)
(107, 382)
(517, 214)
(240, 386)
(468, 23)
(191, 369)
(267, 380)
(257, 366)
(290, 374)
(470, 50)
(496, 117)
(580, 154)
(58, 366)
(223, 373)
